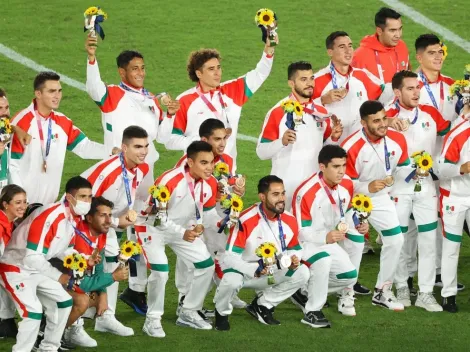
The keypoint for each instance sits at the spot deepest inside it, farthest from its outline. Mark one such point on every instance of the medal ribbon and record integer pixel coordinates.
(126, 181)
(47, 147)
(332, 200)
(75, 229)
(143, 92)
(279, 224)
(198, 205)
(397, 105)
(386, 155)
(431, 95)
(212, 107)
(333, 77)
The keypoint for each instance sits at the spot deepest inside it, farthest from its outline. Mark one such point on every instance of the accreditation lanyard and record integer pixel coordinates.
(386, 155)
(212, 108)
(333, 77)
(397, 105)
(125, 179)
(379, 65)
(430, 93)
(45, 145)
(197, 204)
(332, 200)
(143, 91)
(84, 237)
(282, 240)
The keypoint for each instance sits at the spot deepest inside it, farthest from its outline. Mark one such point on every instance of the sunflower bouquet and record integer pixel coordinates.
(160, 197)
(128, 250)
(5, 129)
(266, 19)
(232, 205)
(221, 170)
(93, 17)
(294, 113)
(267, 252)
(422, 164)
(362, 206)
(77, 264)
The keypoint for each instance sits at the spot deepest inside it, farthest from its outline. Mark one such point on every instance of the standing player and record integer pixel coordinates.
(293, 147)
(38, 167)
(375, 154)
(211, 98)
(384, 53)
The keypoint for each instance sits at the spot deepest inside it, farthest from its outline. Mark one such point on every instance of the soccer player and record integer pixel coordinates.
(375, 154)
(38, 166)
(264, 224)
(12, 205)
(296, 147)
(188, 214)
(417, 194)
(25, 271)
(120, 180)
(211, 98)
(384, 53)
(341, 88)
(320, 206)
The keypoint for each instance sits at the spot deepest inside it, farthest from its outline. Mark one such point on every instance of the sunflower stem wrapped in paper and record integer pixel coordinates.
(267, 252)
(5, 130)
(266, 19)
(94, 15)
(129, 250)
(77, 264)
(294, 114)
(362, 207)
(233, 206)
(422, 164)
(461, 87)
(160, 197)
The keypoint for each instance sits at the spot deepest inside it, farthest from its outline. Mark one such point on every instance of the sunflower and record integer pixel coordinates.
(127, 249)
(152, 191)
(266, 250)
(68, 261)
(358, 202)
(102, 13)
(288, 105)
(225, 202)
(163, 194)
(137, 248)
(236, 203)
(444, 48)
(82, 265)
(298, 109)
(264, 17)
(367, 204)
(425, 162)
(222, 168)
(91, 11)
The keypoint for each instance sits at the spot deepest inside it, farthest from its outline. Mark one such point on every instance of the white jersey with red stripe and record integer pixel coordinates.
(121, 108)
(194, 111)
(315, 212)
(47, 233)
(107, 180)
(455, 153)
(26, 165)
(251, 231)
(440, 89)
(361, 86)
(366, 159)
(302, 155)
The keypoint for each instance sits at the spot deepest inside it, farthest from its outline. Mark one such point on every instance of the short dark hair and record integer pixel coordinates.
(3, 93)
(383, 14)
(330, 40)
(97, 202)
(399, 77)
(197, 147)
(265, 182)
(197, 59)
(8, 192)
(330, 152)
(370, 107)
(425, 40)
(297, 66)
(44, 76)
(133, 132)
(208, 127)
(126, 56)
(76, 183)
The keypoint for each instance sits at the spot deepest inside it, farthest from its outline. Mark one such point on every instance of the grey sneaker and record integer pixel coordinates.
(191, 319)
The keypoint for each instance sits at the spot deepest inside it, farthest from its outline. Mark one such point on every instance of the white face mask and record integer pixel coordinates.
(81, 207)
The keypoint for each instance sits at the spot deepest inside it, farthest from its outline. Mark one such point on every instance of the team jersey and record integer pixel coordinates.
(366, 159)
(317, 213)
(123, 106)
(361, 86)
(6, 228)
(26, 164)
(440, 89)
(45, 234)
(87, 247)
(455, 153)
(194, 109)
(252, 230)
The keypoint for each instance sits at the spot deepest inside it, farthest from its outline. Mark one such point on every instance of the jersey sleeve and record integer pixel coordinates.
(270, 140)
(450, 160)
(443, 126)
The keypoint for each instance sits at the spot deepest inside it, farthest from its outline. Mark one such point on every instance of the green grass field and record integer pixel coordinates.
(165, 32)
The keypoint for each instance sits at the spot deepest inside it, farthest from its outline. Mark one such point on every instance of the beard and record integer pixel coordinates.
(302, 93)
(272, 207)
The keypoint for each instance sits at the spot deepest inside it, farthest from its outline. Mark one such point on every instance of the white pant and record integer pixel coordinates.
(354, 245)
(193, 255)
(384, 219)
(110, 264)
(32, 292)
(454, 211)
(331, 271)
(286, 283)
(424, 209)
(7, 306)
(139, 282)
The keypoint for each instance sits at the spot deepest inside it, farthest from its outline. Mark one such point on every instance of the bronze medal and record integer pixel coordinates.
(132, 215)
(165, 99)
(343, 227)
(406, 125)
(229, 131)
(240, 181)
(199, 228)
(389, 181)
(44, 166)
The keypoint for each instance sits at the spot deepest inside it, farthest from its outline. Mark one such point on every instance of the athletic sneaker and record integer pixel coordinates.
(316, 320)
(8, 328)
(77, 336)
(135, 300)
(368, 249)
(208, 313)
(449, 305)
(413, 291)
(153, 328)
(238, 303)
(361, 290)
(263, 314)
(346, 303)
(191, 318)
(109, 323)
(299, 299)
(386, 298)
(427, 301)
(403, 296)
(438, 283)
(221, 322)
(180, 306)
(65, 345)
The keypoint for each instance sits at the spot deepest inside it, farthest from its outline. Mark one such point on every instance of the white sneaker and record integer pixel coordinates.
(190, 318)
(403, 296)
(387, 299)
(90, 313)
(76, 335)
(238, 303)
(427, 301)
(346, 303)
(108, 323)
(153, 327)
(367, 248)
(378, 240)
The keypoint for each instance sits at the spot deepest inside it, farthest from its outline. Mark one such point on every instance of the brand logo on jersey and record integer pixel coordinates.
(20, 287)
(425, 125)
(450, 209)
(299, 198)
(101, 177)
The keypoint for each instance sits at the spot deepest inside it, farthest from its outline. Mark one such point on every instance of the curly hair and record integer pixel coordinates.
(197, 59)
